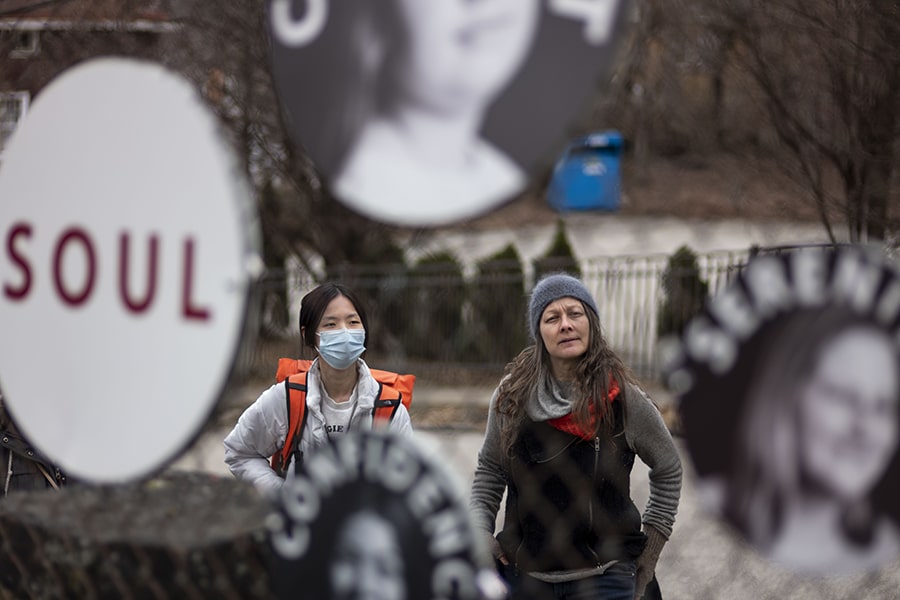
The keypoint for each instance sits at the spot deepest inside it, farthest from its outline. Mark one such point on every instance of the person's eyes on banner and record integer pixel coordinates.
(302, 30)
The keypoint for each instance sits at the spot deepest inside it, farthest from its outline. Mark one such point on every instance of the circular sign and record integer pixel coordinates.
(127, 247)
(790, 400)
(377, 512)
(422, 113)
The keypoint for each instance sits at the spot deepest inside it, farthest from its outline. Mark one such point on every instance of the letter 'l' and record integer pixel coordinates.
(188, 309)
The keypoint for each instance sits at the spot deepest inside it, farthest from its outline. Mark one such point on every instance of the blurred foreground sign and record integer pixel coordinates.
(424, 113)
(124, 269)
(376, 515)
(790, 400)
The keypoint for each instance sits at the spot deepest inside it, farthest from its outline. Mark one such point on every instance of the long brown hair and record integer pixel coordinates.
(598, 368)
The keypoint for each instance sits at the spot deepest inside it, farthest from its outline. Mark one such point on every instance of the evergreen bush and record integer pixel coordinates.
(684, 290)
(497, 329)
(558, 257)
(437, 293)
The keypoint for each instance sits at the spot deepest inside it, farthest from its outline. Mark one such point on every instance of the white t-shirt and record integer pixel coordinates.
(386, 179)
(338, 414)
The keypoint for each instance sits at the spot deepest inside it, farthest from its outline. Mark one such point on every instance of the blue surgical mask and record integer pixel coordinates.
(341, 347)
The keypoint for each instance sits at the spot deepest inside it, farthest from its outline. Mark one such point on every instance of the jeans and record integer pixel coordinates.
(616, 583)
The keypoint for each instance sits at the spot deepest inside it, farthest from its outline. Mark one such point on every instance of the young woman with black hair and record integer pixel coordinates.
(340, 396)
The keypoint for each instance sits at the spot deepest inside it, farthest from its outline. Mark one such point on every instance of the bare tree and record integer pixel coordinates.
(224, 47)
(644, 88)
(809, 86)
(828, 76)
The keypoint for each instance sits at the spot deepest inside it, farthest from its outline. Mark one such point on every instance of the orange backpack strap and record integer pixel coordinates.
(386, 404)
(402, 383)
(295, 398)
(394, 389)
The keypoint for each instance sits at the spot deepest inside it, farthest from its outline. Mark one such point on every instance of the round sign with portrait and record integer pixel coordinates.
(129, 247)
(790, 399)
(376, 515)
(424, 113)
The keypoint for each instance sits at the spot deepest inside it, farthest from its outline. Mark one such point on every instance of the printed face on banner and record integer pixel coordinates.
(458, 56)
(367, 561)
(374, 516)
(848, 411)
(790, 399)
(423, 113)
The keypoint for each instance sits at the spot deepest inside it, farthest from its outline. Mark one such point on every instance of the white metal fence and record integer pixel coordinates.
(628, 289)
(630, 294)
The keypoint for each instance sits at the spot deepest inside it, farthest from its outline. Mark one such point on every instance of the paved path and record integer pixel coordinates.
(702, 561)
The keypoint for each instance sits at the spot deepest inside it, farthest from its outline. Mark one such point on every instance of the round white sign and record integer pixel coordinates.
(422, 113)
(128, 245)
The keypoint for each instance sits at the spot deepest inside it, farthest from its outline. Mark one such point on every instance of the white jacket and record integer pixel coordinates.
(262, 428)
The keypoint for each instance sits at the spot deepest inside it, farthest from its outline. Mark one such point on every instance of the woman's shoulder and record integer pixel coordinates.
(636, 398)
(384, 164)
(269, 406)
(496, 164)
(367, 386)
(642, 415)
(271, 398)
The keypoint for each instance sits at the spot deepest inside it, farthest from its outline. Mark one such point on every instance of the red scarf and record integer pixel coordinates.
(568, 424)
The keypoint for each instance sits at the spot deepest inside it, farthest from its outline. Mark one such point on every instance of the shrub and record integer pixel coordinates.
(684, 292)
(497, 328)
(437, 293)
(558, 257)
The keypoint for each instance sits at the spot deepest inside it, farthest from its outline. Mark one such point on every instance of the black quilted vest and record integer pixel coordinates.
(568, 501)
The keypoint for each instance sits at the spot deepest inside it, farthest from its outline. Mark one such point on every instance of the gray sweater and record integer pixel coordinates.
(645, 433)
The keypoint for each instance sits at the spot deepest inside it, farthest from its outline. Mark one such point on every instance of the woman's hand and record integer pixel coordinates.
(497, 552)
(641, 579)
(646, 562)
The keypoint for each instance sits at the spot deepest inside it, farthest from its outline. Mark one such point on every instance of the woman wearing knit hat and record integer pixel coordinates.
(564, 427)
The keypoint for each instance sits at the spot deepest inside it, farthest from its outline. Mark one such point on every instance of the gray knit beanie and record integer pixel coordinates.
(553, 287)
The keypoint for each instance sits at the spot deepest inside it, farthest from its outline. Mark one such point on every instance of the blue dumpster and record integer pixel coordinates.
(587, 175)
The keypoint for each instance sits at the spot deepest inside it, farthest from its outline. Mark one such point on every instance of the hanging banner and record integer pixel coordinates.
(424, 113)
(790, 399)
(376, 515)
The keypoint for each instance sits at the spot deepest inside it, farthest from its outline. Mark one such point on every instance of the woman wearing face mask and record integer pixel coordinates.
(340, 395)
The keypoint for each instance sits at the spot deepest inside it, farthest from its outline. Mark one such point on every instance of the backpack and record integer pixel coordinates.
(394, 389)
